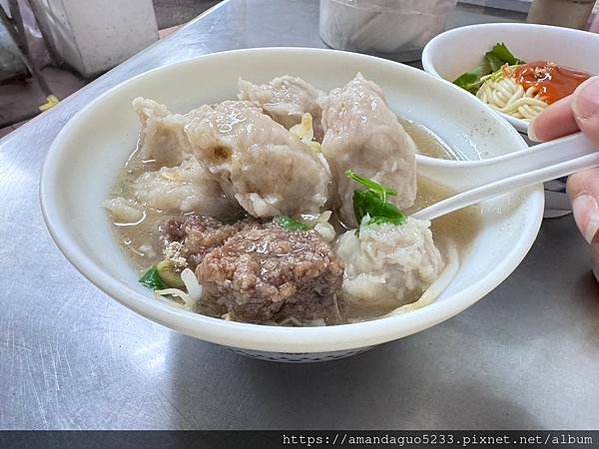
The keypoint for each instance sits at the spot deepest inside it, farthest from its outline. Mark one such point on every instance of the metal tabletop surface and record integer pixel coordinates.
(527, 356)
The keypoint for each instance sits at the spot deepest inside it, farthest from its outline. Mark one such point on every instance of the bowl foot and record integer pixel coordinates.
(299, 357)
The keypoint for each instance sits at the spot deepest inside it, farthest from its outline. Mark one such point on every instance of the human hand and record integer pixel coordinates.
(579, 111)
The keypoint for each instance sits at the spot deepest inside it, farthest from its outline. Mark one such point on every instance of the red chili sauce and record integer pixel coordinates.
(552, 81)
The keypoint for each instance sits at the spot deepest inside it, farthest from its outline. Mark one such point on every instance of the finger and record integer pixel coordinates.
(583, 191)
(585, 104)
(555, 121)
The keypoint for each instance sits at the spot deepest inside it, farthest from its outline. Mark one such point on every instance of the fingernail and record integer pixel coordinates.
(586, 215)
(585, 102)
(532, 135)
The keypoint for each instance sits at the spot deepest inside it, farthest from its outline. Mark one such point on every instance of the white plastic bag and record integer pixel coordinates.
(383, 26)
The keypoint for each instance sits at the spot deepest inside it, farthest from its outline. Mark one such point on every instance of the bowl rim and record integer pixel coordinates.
(255, 336)
(428, 62)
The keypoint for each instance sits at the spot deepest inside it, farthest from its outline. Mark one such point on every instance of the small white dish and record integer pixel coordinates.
(459, 50)
(84, 160)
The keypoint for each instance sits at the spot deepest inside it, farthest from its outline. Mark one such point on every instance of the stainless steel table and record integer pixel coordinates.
(527, 356)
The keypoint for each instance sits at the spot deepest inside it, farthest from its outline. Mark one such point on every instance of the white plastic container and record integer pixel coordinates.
(395, 27)
(93, 36)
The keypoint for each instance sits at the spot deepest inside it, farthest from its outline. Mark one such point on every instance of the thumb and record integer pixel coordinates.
(585, 105)
(583, 187)
(583, 191)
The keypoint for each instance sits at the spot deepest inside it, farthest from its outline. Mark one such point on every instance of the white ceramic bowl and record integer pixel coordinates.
(83, 162)
(459, 50)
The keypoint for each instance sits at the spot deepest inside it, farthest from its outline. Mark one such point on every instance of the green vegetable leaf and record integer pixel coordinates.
(471, 81)
(373, 202)
(373, 186)
(388, 220)
(152, 280)
(290, 224)
(362, 201)
(492, 62)
(501, 51)
(369, 203)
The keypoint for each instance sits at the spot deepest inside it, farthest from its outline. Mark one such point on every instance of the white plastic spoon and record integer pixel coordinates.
(492, 177)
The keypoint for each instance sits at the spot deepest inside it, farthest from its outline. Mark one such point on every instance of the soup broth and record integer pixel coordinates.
(143, 244)
(428, 143)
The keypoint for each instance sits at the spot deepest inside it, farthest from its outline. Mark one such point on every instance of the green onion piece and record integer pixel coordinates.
(168, 273)
(152, 280)
(370, 184)
(290, 224)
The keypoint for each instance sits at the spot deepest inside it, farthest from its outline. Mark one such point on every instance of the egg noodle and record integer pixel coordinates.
(505, 95)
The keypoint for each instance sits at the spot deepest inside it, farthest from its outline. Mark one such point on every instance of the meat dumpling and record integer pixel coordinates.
(163, 138)
(195, 235)
(388, 265)
(286, 99)
(187, 187)
(258, 162)
(363, 134)
(266, 273)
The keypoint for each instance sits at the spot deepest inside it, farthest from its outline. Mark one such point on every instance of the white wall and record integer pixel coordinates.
(95, 35)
